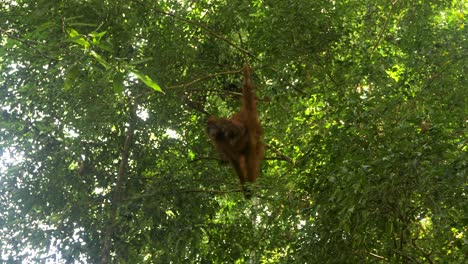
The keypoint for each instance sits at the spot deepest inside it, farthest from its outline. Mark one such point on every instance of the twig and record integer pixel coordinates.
(280, 156)
(191, 82)
(377, 256)
(203, 78)
(198, 24)
(207, 158)
(28, 43)
(426, 254)
(162, 193)
(382, 32)
(117, 193)
(372, 254)
(327, 73)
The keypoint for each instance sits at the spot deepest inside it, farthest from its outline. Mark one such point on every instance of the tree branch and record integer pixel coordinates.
(200, 25)
(28, 43)
(199, 79)
(174, 192)
(203, 78)
(382, 32)
(279, 155)
(117, 192)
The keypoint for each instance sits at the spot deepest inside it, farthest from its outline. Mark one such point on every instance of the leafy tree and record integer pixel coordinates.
(105, 157)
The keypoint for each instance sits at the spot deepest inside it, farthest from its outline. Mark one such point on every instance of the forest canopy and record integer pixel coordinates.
(104, 155)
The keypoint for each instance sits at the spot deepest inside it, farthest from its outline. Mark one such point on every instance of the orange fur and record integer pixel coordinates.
(239, 138)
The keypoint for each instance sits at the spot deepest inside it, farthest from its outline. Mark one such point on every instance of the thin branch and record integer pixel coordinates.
(196, 106)
(191, 82)
(279, 155)
(207, 158)
(233, 94)
(162, 193)
(198, 24)
(382, 32)
(327, 73)
(372, 254)
(218, 192)
(117, 192)
(28, 43)
(377, 256)
(426, 254)
(203, 78)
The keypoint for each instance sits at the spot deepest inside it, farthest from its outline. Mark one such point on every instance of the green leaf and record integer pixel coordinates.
(117, 83)
(136, 62)
(70, 77)
(105, 46)
(100, 59)
(44, 26)
(97, 36)
(78, 38)
(147, 80)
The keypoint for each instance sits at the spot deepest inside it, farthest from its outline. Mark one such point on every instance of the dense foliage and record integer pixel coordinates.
(105, 157)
